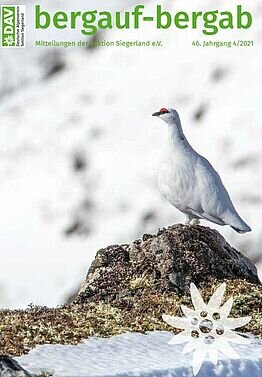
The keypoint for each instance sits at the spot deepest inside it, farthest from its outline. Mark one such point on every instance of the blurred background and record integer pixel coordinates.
(79, 148)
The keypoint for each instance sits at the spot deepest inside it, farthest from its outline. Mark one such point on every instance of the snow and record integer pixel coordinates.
(100, 106)
(134, 354)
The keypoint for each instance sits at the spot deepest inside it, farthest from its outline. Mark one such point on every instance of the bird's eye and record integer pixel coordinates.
(163, 111)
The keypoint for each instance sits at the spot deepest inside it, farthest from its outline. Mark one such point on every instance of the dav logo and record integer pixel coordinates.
(12, 26)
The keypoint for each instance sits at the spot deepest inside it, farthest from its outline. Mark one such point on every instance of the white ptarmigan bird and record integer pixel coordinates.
(190, 183)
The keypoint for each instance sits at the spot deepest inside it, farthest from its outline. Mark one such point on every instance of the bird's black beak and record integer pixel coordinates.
(156, 114)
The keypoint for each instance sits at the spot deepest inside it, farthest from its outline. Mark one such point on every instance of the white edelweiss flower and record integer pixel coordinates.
(9, 41)
(207, 328)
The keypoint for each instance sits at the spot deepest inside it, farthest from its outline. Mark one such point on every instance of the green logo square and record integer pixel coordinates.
(8, 26)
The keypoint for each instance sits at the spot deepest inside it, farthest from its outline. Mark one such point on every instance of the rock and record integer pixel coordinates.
(10, 368)
(129, 287)
(164, 263)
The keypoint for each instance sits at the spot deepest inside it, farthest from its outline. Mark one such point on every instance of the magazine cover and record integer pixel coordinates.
(130, 191)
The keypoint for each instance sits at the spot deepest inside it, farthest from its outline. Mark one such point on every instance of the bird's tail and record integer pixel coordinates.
(248, 229)
(239, 225)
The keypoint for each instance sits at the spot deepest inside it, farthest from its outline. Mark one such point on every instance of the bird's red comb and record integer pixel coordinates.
(164, 110)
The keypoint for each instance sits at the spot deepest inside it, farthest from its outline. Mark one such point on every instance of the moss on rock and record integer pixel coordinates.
(129, 287)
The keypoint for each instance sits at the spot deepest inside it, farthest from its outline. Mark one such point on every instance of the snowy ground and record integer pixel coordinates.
(97, 110)
(134, 354)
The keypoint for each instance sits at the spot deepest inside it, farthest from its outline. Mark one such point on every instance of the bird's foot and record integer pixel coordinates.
(193, 221)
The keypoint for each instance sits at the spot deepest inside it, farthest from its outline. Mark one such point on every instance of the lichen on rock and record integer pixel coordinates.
(129, 287)
(164, 263)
